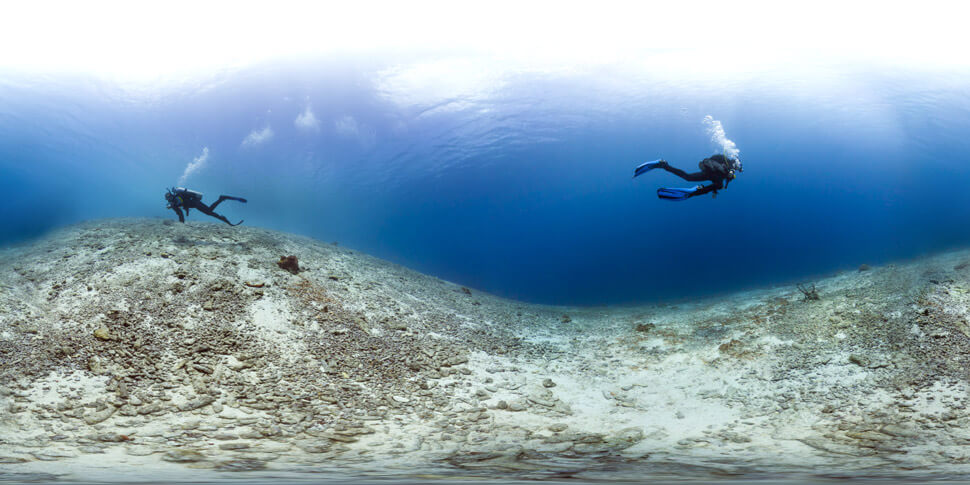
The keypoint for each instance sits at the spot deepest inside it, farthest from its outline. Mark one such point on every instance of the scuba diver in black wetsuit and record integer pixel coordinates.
(181, 198)
(717, 169)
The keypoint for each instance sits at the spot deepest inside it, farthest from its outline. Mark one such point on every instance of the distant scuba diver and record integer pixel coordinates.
(181, 198)
(717, 169)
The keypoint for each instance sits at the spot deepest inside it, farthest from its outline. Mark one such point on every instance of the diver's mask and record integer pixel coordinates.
(170, 198)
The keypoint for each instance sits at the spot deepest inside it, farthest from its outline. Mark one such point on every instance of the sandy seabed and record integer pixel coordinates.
(147, 350)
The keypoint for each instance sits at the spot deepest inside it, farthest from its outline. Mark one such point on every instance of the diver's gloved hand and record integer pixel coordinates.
(663, 163)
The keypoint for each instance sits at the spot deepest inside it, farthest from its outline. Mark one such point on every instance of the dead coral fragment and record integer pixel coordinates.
(644, 327)
(256, 285)
(289, 263)
(102, 333)
(810, 292)
(737, 349)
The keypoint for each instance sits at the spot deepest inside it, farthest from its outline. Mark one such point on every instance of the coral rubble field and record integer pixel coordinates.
(174, 346)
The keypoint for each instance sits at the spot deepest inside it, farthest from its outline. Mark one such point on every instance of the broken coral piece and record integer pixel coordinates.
(289, 263)
(102, 333)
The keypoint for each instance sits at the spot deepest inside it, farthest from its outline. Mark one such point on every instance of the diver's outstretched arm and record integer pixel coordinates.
(179, 213)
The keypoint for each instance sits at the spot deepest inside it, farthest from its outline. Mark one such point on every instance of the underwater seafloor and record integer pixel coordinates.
(143, 350)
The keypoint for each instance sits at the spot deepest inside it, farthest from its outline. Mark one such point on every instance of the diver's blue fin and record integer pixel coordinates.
(676, 194)
(646, 167)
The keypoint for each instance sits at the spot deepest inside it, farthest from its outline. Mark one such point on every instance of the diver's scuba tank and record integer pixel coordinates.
(188, 194)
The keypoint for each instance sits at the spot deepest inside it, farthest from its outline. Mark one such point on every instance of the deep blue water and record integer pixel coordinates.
(518, 182)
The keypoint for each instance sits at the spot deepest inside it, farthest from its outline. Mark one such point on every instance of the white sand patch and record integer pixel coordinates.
(271, 316)
(81, 385)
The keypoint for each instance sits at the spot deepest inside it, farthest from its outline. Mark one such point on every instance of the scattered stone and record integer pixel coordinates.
(859, 360)
(196, 403)
(234, 446)
(548, 383)
(113, 438)
(864, 267)
(565, 319)
(183, 456)
(243, 465)
(319, 447)
(644, 327)
(340, 437)
(898, 431)
(102, 333)
(456, 360)
(150, 408)
(52, 455)
(96, 417)
(140, 450)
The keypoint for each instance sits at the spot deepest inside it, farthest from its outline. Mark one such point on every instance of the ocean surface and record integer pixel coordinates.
(512, 179)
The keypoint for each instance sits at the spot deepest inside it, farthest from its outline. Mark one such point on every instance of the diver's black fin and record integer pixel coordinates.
(236, 224)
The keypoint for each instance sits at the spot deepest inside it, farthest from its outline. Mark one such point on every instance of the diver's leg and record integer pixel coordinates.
(690, 177)
(714, 187)
(226, 197)
(207, 210)
(703, 190)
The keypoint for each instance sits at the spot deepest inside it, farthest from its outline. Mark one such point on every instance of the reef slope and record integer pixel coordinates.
(145, 342)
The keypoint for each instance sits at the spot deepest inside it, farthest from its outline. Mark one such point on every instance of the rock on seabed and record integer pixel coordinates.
(188, 344)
